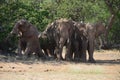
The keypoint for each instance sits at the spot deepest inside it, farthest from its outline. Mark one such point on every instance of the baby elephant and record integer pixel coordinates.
(28, 38)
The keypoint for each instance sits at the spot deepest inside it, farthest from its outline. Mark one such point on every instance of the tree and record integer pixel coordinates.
(114, 9)
(42, 12)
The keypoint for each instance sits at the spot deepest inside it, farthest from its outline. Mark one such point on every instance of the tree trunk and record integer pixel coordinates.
(110, 21)
(108, 27)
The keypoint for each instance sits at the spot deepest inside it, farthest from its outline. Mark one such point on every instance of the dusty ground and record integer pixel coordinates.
(106, 68)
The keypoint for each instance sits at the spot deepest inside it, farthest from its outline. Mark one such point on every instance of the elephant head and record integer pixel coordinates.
(81, 29)
(20, 27)
(23, 27)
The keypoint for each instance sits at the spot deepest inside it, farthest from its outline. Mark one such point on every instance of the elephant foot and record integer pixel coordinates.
(91, 61)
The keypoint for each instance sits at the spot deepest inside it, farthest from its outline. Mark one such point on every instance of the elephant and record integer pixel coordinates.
(22, 44)
(60, 31)
(94, 31)
(79, 42)
(90, 33)
(28, 38)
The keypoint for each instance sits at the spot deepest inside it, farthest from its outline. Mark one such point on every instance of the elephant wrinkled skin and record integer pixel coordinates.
(61, 32)
(28, 38)
(90, 33)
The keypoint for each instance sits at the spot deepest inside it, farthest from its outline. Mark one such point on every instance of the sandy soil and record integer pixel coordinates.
(106, 68)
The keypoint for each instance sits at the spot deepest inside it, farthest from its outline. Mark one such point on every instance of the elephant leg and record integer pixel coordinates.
(58, 52)
(91, 50)
(19, 48)
(27, 53)
(60, 48)
(71, 54)
(76, 56)
(51, 51)
(101, 43)
(76, 51)
(83, 51)
(29, 49)
(46, 52)
(68, 55)
(40, 54)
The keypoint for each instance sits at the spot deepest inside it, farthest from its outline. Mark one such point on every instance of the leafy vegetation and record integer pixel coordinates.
(42, 12)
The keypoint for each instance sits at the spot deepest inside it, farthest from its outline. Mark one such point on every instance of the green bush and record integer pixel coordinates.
(42, 12)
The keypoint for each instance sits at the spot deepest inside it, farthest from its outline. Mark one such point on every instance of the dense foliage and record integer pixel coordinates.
(42, 12)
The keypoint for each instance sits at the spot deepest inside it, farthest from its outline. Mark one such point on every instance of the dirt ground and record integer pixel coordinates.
(106, 68)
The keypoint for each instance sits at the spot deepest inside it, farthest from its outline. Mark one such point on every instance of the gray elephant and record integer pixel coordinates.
(61, 32)
(28, 38)
(90, 33)
(94, 31)
(79, 42)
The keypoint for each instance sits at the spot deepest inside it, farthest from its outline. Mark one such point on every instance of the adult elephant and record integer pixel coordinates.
(90, 33)
(61, 32)
(79, 42)
(28, 38)
(94, 31)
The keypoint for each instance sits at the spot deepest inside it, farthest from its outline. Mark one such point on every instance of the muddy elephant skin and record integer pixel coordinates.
(60, 31)
(28, 38)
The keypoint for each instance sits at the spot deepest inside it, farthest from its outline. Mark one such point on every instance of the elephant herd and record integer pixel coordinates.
(77, 37)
